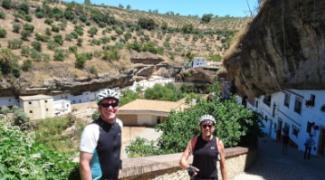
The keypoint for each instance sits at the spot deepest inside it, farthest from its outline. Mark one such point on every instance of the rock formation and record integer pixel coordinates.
(283, 47)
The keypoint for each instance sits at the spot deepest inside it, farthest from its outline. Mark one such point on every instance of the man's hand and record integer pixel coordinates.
(192, 170)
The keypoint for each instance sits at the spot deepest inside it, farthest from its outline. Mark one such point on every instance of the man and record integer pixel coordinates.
(309, 144)
(100, 145)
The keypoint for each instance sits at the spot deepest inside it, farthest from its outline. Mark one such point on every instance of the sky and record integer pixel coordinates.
(187, 7)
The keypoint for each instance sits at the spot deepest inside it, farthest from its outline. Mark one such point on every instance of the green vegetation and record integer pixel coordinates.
(128, 96)
(168, 92)
(9, 63)
(147, 23)
(3, 33)
(236, 125)
(24, 158)
(52, 133)
(206, 18)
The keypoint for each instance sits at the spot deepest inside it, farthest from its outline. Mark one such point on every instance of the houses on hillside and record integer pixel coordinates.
(296, 112)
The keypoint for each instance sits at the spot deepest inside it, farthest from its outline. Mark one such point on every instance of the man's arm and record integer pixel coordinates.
(222, 159)
(85, 171)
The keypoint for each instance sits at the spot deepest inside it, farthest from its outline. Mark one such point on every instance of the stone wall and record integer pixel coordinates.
(167, 166)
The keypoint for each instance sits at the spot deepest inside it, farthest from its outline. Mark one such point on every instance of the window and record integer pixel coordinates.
(30, 111)
(45, 101)
(295, 130)
(287, 99)
(298, 104)
(47, 109)
(30, 102)
(256, 103)
(311, 101)
(267, 100)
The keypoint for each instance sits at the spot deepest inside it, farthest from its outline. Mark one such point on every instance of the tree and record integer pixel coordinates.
(87, 2)
(147, 23)
(206, 18)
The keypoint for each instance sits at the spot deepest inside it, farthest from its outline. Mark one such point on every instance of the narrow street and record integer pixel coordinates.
(272, 164)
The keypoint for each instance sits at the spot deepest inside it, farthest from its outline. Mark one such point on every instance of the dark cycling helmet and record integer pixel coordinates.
(108, 93)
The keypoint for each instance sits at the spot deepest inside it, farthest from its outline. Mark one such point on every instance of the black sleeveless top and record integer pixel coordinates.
(205, 158)
(109, 148)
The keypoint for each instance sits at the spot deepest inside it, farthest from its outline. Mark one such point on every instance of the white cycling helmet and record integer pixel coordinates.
(108, 93)
(207, 117)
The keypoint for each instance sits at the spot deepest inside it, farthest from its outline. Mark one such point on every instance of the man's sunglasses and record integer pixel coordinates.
(107, 105)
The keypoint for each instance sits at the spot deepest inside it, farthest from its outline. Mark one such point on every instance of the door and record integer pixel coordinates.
(278, 131)
(321, 148)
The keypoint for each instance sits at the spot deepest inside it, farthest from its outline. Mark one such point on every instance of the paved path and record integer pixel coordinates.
(272, 164)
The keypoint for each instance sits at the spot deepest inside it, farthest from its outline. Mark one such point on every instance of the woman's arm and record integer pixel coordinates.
(186, 154)
(222, 160)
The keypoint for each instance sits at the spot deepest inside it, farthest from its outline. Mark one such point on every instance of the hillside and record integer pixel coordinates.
(283, 48)
(47, 47)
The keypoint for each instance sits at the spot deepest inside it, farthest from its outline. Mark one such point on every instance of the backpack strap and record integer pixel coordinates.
(193, 143)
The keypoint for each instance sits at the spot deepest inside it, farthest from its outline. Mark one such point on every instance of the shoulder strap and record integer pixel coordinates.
(193, 143)
(217, 143)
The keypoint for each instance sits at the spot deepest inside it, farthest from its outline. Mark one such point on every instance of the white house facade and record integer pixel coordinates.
(8, 102)
(298, 112)
(62, 107)
(198, 62)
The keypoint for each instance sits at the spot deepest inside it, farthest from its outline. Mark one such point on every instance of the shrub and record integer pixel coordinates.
(6, 4)
(23, 7)
(25, 51)
(215, 57)
(110, 55)
(80, 60)
(187, 28)
(16, 27)
(141, 147)
(168, 92)
(25, 34)
(3, 33)
(48, 31)
(52, 45)
(206, 18)
(8, 62)
(35, 55)
(73, 49)
(79, 30)
(39, 12)
(59, 55)
(24, 158)
(146, 23)
(58, 39)
(135, 46)
(55, 28)
(128, 96)
(27, 65)
(48, 21)
(79, 42)
(37, 46)
(68, 14)
(2, 15)
(28, 27)
(15, 44)
(93, 70)
(40, 37)
(56, 13)
(92, 31)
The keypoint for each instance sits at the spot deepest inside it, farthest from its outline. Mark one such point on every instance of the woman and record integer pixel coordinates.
(205, 149)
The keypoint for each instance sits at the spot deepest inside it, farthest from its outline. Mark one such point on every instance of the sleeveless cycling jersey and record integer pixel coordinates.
(205, 156)
(103, 140)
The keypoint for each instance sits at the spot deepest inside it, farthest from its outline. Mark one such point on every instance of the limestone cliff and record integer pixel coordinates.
(283, 47)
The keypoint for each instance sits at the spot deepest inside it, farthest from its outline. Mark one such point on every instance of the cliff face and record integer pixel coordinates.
(283, 47)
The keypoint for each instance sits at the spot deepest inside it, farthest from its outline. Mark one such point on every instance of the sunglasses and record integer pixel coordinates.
(206, 125)
(107, 105)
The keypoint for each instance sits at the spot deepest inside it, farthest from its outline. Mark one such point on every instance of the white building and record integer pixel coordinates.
(299, 112)
(144, 84)
(8, 102)
(86, 96)
(62, 107)
(37, 107)
(198, 62)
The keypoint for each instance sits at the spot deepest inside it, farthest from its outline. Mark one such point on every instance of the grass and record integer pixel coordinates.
(52, 132)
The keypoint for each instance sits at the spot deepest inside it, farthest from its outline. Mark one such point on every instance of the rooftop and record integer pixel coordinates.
(35, 97)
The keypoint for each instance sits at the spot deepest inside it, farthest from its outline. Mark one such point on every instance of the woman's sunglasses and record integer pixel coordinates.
(206, 125)
(107, 105)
